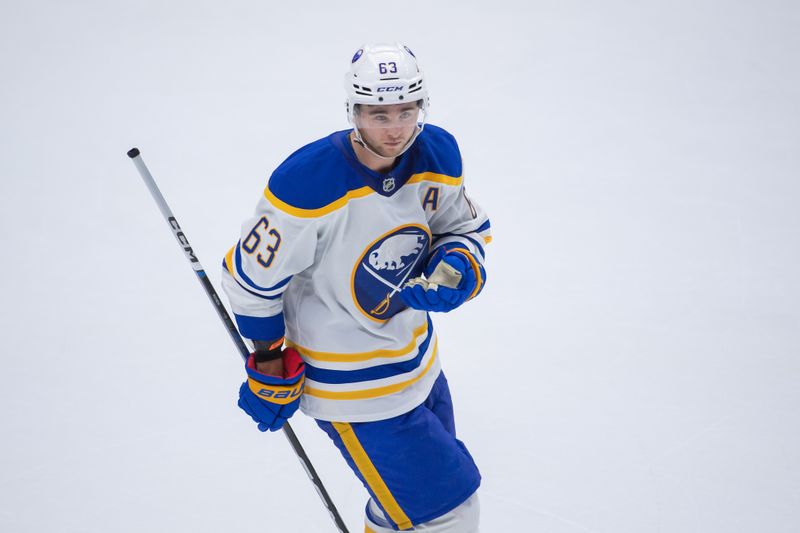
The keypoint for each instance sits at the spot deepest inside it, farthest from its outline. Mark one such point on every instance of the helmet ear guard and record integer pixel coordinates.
(384, 74)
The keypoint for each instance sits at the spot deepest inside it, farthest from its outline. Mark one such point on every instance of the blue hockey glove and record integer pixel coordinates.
(271, 400)
(453, 277)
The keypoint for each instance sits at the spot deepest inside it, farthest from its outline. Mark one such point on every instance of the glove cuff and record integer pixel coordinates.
(480, 273)
(293, 369)
(277, 390)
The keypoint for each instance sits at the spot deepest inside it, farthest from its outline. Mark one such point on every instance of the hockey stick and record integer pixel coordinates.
(134, 154)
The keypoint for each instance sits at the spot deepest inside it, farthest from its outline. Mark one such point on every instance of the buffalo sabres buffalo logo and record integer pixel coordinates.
(385, 266)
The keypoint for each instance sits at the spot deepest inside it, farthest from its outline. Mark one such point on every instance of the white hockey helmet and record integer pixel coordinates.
(385, 74)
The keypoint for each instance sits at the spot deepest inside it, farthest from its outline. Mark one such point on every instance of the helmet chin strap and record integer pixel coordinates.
(364, 144)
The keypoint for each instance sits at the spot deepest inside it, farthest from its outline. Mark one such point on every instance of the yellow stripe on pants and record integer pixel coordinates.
(371, 475)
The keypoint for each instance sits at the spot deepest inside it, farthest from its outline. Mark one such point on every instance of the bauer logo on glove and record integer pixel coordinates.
(272, 400)
(275, 393)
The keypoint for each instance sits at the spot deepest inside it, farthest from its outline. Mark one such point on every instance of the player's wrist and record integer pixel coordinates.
(267, 351)
(270, 368)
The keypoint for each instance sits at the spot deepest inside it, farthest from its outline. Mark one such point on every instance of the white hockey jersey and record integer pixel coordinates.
(325, 254)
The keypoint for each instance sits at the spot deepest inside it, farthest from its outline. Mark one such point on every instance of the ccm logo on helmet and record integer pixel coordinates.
(390, 89)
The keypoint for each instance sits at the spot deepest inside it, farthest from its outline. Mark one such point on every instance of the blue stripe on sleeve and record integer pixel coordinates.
(324, 375)
(477, 245)
(276, 297)
(486, 225)
(260, 328)
(246, 289)
(238, 261)
(460, 236)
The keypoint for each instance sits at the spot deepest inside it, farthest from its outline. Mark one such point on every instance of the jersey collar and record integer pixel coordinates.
(384, 184)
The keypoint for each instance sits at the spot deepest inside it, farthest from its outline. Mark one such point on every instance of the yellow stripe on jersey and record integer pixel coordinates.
(487, 239)
(362, 356)
(356, 193)
(374, 392)
(318, 212)
(436, 178)
(371, 475)
(229, 260)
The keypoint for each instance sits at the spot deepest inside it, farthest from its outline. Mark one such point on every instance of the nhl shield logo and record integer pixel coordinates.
(388, 184)
(385, 266)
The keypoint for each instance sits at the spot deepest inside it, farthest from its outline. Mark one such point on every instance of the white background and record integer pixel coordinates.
(632, 365)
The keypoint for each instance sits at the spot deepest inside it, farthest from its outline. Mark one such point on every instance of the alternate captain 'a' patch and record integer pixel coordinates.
(385, 266)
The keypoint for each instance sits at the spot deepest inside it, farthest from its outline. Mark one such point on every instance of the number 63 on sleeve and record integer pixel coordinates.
(253, 240)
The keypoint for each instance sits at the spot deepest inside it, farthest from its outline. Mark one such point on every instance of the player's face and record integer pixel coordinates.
(388, 128)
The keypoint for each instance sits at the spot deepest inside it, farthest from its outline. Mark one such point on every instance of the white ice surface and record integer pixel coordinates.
(633, 365)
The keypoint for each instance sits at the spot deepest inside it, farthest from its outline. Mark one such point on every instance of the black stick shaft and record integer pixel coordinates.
(135, 155)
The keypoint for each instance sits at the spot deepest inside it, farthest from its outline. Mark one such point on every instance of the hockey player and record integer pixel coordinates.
(357, 238)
